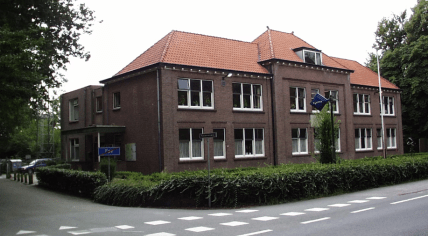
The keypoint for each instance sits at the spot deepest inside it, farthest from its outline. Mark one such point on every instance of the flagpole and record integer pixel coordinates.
(381, 108)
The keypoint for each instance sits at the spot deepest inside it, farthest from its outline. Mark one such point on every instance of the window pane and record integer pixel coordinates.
(195, 85)
(218, 147)
(293, 92)
(248, 147)
(236, 88)
(194, 96)
(301, 93)
(184, 148)
(195, 134)
(295, 145)
(220, 134)
(259, 146)
(355, 102)
(207, 86)
(302, 133)
(239, 134)
(183, 84)
(184, 134)
(249, 134)
(197, 148)
(256, 101)
(294, 133)
(309, 57)
(259, 134)
(182, 98)
(303, 145)
(247, 88)
(318, 59)
(247, 101)
(238, 147)
(236, 100)
(301, 104)
(207, 99)
(257, 90)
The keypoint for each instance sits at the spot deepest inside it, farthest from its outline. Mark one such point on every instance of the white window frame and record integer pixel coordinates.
(379, 135)
(363, 103)
(367, 139)
(336, 111)
(391, 138)
(73, 109)
(188, 90)
(73, 146)
(296, 99)
(317, 55)
(191, 157)
(223, 144)
(252, 97)
(299, 140)
(389, 109)
(253, 143)
(116, 100)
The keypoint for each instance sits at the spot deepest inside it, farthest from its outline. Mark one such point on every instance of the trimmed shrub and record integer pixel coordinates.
(78, 182)
(267, 185)
(62, 166)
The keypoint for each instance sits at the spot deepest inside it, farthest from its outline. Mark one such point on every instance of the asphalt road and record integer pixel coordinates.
(395, 210)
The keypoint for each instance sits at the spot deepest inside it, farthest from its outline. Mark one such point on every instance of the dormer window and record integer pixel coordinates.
(309, 55)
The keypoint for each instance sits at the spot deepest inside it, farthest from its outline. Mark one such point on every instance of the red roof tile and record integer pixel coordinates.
(363, 75)
(202, 51)
(283, 45)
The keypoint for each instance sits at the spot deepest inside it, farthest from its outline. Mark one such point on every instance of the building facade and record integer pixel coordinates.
(254, 95)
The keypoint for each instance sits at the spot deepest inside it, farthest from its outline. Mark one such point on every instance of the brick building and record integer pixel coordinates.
(254, 95)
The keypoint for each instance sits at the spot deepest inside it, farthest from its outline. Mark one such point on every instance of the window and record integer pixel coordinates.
(361, 103)
(74, 149)
(336, 143)
(74, 110)
(313, 93)
(363, 139)
(247, 96)
(219, 144)
(195, 93)
(297, 99)
(335, 95)
(379, 138)
(99, 104)
(311, 57)
(191, 146)
(249, 142)
(388, 106)
(390, 138)
(116, 100)
(299, 139)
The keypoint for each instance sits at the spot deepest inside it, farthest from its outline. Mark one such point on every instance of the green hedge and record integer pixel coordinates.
(267, 185)
(77, 182)
(61, 166)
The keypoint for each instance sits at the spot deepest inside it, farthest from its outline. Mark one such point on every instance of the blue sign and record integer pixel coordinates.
(109, 151)
(319, 101)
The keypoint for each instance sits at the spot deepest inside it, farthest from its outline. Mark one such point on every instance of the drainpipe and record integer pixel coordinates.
(84, 108)
(159, 120)
(275, 157)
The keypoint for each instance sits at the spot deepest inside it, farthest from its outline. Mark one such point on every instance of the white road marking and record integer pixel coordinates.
(411, 199)
(220, 214)
(66, 227)
(25, 232)
(358, 201)
(161, 234)
(246, 211)
(79, 232)
(317, 209)
(339, 205)
(375, 198)
(157, 222)
(312, 221)
(258, 232)
(292, 214)
(190, 218)
(265, 218)
(199, 229)
(367, 209)
(234, 223)
(124, 227)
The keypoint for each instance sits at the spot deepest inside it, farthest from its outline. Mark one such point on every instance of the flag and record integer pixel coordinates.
(319, 101)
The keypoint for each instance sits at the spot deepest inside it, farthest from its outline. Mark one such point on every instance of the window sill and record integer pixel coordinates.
(248, 111)
(362, 114)
(186, 161)
(218, 159)
(300, 154)
(99, 112)
(368, 150)
(73, 121)
(75, 160)
(116, 109)
(250, 158)
(298, 112)
(197, 109)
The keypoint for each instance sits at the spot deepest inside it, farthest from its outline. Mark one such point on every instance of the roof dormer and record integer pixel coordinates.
(309, 55)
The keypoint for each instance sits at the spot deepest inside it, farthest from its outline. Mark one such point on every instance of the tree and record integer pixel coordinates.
(323, 135)
(36, 40)
(404, 61)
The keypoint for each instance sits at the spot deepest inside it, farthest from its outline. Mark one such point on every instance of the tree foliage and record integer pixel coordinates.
(403, 45)
(37, 38)
(323, 134)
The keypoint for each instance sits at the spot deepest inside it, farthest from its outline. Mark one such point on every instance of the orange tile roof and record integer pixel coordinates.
(283, 45)
(200, 50)
(363, 75)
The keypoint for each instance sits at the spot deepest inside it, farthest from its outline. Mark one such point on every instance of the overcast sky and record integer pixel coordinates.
(339, 28)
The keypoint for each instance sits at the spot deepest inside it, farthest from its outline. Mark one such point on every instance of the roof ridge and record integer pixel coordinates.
(213, 36)
(166, 45)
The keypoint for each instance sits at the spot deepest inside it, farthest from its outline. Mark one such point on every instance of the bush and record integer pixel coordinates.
(104, 167)
(267, 185)
(62, 166)
(77, 182)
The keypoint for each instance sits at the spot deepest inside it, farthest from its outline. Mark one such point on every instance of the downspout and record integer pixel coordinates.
(84, 108)
(159, 121)
(275, 157)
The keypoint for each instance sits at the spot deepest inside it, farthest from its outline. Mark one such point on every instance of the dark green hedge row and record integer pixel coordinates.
(61, 166)
(74, 181)
(267, 185)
